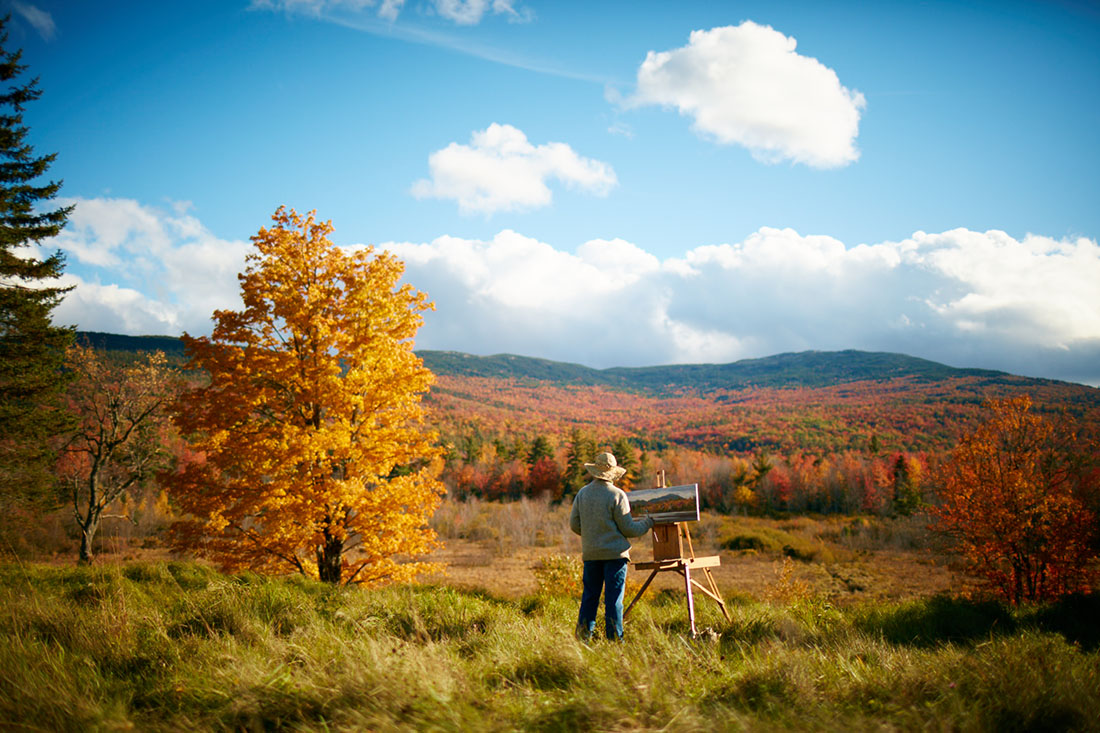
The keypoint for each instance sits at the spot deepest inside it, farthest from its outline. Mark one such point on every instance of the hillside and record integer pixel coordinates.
(811, 401)
(510, 366)
(170, 345)
(803, 369)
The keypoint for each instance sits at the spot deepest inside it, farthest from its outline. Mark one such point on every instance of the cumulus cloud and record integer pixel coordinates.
(500, 170)
(746, 85)
(979, 299)
(139, 269)
(962, 297)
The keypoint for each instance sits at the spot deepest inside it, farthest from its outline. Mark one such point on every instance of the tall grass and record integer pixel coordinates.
(177, 646)
(508, 525)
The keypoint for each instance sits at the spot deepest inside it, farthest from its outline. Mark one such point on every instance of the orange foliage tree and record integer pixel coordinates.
(314, 453)
(1014, 501)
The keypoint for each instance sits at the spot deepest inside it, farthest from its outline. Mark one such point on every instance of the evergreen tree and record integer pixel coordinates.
(761, 467)
(32, 349)
(540, 448)
(647, 477)
(907, 497)
(623, 451)
(582, 450)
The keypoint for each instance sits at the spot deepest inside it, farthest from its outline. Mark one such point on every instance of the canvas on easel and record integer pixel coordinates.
(671, 509)
(666, 504)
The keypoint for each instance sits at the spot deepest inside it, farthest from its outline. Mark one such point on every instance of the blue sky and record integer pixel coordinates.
(606, 183)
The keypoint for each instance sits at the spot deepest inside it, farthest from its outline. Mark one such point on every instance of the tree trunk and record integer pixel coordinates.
(330, 559)
(87, 534)
(90, 523)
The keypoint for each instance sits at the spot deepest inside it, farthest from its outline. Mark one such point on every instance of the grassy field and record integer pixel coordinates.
(838, 623)
(178, 646)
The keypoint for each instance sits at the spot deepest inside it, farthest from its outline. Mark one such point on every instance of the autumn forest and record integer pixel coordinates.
(843, 434)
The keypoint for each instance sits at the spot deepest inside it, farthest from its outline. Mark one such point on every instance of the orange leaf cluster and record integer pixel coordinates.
(316, 458)
(1015, 503)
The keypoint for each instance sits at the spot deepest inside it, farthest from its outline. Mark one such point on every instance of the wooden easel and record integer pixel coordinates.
(668, 555)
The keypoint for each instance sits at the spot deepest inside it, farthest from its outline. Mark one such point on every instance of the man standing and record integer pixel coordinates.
(601, 516)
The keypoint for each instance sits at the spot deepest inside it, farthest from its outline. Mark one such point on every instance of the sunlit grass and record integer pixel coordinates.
(178, 646)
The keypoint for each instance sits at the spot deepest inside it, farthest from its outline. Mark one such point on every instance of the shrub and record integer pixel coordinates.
(559, 575)
(787, 588)
(749, 536)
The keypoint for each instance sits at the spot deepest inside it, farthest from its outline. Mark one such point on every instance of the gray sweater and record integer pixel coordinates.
(601, 516)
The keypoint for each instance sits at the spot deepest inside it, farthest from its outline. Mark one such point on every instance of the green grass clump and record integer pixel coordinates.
(752, 535)
(179, 646)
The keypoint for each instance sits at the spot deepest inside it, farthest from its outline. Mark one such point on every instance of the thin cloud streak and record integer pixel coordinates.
(398, 29)
(39, 19)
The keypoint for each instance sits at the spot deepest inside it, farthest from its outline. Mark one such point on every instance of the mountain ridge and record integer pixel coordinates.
(790, 369)
(814, 368)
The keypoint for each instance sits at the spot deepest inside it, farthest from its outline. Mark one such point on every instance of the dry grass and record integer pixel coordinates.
(497, 547)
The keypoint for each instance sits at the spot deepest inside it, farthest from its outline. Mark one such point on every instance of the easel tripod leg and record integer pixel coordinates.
(717, 595)
(640, 592)
(690, 599)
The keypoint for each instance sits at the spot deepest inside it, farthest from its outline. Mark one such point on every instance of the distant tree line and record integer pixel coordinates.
(849, 482)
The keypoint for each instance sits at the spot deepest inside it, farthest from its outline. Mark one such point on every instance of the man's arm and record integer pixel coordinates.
(575, 516)
(629, 526)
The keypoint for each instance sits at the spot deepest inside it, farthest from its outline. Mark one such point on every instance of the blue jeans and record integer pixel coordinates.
(609, 575)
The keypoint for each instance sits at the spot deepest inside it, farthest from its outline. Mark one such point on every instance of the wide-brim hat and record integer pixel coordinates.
(605, 467)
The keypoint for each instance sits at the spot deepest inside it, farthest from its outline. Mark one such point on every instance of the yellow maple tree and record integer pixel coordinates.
(310, 450)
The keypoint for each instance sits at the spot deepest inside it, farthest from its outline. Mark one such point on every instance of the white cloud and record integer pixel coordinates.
(966, 298)
(746, 85)
(312, 7)
(115, 309)
(500, 170)
(39, 19)
(622, 129)
(142, 270)
(390, 9)
(1041, 288)
(470, 12)
(459, 12)
(100, 230)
